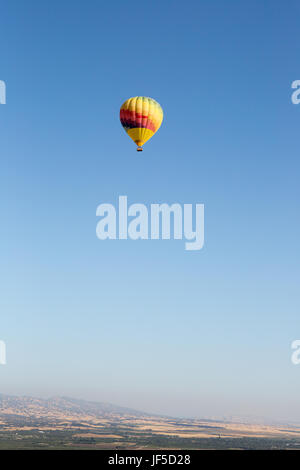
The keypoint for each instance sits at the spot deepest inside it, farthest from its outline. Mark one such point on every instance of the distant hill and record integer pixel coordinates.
(59, 408)
(64, 411)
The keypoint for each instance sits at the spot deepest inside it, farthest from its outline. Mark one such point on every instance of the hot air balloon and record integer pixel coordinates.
(141, 117)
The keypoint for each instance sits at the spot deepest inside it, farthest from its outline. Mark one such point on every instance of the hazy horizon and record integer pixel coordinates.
(258, 419)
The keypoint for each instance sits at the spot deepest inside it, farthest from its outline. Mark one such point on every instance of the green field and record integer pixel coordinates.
(130, 440)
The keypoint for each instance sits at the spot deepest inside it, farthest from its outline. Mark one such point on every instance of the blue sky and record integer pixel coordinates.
(147, 324)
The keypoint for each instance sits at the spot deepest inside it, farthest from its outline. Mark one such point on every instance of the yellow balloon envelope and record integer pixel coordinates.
(141, 117)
